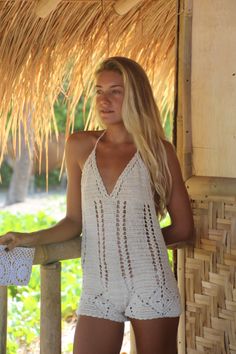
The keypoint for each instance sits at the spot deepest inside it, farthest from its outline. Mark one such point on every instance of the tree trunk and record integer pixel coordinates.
(22, 170)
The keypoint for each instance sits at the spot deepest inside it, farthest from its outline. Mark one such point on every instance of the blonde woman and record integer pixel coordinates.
(121, 180)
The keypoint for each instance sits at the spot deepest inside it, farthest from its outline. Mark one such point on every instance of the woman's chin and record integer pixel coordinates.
(108, 120)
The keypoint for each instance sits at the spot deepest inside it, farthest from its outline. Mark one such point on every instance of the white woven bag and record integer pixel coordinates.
(16, 265)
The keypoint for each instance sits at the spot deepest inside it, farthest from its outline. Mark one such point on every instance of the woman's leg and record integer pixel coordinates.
(98, 336)
(156, 336)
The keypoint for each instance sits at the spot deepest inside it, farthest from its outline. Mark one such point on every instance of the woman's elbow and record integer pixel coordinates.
(181, 236)
(187, 235)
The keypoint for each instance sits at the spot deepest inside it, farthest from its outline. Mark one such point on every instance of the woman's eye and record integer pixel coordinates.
(116, 92)
(98, 92)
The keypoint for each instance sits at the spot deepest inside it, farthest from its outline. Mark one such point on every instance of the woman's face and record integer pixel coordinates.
(109, 97)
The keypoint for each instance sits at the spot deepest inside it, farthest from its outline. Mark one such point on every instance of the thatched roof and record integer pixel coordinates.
(36, 53)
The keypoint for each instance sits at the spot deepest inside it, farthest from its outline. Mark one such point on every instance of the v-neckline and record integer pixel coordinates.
(119, 178)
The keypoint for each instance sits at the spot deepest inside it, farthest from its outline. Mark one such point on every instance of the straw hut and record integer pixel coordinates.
(188, 50)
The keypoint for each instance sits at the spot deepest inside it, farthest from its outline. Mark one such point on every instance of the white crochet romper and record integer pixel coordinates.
(126, 273)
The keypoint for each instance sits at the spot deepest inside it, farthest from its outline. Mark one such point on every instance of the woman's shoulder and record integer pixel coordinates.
(83, 138)
(81, 143)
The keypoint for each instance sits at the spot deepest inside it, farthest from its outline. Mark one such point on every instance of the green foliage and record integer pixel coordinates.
(24, 304)
(168, 127)
(70, 348)
(53, 179)
(71, 286)
(24, 301)
(5, 172)
(168, 122)
(23, 223)
(164, 223)
(60, 110)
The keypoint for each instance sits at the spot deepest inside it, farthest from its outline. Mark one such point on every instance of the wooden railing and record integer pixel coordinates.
(48, 257)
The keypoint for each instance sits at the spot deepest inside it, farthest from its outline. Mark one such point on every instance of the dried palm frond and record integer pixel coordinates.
(38, 54)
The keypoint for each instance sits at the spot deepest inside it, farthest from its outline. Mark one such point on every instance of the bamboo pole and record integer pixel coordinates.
(121, 7)
(184, 137)
(50, 321)
(3, 319)
(212, 186)
(179, 146)
(181, 283)
(59, 251)
(186, 89)
(133, 349)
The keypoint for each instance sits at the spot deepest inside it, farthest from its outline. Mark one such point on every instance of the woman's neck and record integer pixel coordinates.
(118, 135)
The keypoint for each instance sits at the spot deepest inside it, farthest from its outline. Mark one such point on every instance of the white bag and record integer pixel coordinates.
(16, 265)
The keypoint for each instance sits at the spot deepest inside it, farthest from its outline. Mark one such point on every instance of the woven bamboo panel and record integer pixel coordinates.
(210, 277)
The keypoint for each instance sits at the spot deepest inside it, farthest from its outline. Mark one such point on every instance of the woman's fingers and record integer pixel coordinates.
(10, 240)
(10, 246)
(7, 238)
(14, 239)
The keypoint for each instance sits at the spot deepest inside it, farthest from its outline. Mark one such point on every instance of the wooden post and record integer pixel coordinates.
(181, 282)
(184, 136)
(50, 322)
(3, 319)
(184, 132)
(133, 349)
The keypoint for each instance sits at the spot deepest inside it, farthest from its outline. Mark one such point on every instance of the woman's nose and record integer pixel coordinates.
(104, 98)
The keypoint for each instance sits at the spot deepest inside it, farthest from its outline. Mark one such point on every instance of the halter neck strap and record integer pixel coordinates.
(95, 146)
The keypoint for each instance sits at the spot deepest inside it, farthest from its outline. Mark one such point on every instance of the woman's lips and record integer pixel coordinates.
(106, 111)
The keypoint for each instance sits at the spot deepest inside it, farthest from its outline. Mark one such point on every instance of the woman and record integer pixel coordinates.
(119, 180)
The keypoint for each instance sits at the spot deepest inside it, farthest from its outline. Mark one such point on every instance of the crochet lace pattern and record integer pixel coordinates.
(16, 265)
(124, 256)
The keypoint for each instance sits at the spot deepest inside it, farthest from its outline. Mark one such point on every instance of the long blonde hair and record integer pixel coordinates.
(142, 120)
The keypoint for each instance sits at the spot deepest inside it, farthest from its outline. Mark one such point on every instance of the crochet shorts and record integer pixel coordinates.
(121, 304)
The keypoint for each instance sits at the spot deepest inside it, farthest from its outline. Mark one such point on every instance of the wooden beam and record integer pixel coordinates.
(58, 251)
(212, 186)
(44, 7)
(121, 7)
(3, 319)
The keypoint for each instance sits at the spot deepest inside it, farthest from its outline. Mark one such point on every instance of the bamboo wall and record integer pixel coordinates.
(210, 268)
(213, 88)
(206, 146)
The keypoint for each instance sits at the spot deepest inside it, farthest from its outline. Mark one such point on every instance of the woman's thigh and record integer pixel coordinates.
(156, 336)
(97, 336)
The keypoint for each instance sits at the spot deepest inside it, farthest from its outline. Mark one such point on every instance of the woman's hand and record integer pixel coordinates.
(16, 239)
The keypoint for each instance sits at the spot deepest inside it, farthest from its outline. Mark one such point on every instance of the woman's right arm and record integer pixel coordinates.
(71, 225)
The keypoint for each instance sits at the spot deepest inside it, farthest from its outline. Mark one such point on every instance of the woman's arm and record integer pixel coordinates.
(70, 226)
(181, 230)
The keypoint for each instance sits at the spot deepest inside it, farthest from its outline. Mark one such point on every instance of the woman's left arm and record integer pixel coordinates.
(181, 231)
